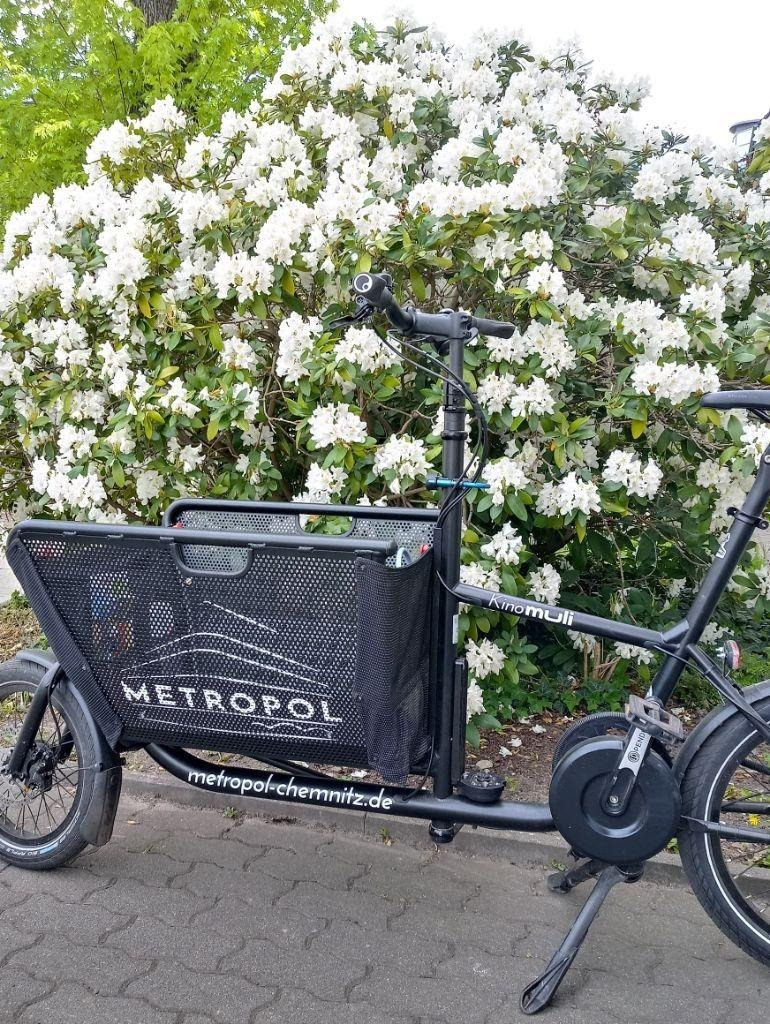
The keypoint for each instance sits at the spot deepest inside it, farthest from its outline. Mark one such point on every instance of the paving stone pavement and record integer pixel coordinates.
(188, 917)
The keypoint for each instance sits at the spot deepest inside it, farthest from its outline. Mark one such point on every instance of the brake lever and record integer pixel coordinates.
(364, 311)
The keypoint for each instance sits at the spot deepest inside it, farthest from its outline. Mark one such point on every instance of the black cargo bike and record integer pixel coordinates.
(235, 628)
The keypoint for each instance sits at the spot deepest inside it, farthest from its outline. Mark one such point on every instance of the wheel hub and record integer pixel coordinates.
(39, 767)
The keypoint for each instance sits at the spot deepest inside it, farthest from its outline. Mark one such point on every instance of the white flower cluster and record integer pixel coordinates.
(756, 440)
(730, 487)
(652, 330)
(323, 484)
(364, 348)
(662, 177)
(505, 546)
(503, 475)
(547, 282)
(474, 701)
(336, 423)
(568, 495)
(484, 658)
(545, 584)
(476, 575)
(548, 344)
(403, 460)
(630, 652)
(497, 392)
(626, 468)
(675, 382)
(537, 245)
(297, 337)
(238, 354)
(604, 214)
(84, 492)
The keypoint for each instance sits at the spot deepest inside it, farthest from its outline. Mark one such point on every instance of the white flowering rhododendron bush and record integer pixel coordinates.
(163, 327)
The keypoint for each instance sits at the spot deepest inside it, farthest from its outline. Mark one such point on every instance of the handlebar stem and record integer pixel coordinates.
(448, 325)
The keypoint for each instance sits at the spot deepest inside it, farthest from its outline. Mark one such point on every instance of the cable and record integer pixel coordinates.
(457, 492)
(421, 784)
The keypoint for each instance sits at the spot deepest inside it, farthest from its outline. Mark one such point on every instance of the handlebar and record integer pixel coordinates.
(376, 290)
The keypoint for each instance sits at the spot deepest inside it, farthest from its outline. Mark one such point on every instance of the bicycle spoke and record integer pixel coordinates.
(742, 830)
(50, 817)
(756, 766)
(746, 807)
(35, 812)
(36, 817)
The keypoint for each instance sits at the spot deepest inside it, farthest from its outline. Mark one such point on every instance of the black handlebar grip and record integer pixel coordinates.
(375, 288)
(493, 328)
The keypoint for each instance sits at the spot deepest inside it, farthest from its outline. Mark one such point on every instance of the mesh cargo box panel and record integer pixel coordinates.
(294, 647)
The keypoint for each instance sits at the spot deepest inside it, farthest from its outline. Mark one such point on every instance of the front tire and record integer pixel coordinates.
(728, 781)
(39, 825)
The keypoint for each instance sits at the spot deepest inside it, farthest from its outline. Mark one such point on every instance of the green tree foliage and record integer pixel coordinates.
(69, 67)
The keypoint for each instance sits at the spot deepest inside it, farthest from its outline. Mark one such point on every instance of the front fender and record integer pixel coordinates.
(713, 721)
(96, 824)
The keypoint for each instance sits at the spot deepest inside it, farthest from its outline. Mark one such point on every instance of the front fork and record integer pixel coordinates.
(32, 721)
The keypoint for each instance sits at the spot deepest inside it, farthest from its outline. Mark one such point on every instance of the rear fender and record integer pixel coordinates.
(715, 720)
(97, 823)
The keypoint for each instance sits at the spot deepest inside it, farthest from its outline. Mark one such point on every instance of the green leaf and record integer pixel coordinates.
(638, 427)
(418, 285)
(580, 527)
(562, 260)
(215, 337)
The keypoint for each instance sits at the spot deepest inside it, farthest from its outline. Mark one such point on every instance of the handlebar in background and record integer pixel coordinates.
(493, 328)
(376, 290)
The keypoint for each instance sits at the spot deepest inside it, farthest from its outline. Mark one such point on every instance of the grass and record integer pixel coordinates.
(18, 627)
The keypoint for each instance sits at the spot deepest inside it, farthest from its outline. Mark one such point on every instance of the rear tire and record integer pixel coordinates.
(39, 830)
(731, 879)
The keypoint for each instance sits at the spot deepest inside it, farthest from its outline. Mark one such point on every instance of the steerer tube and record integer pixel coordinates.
(453, 435)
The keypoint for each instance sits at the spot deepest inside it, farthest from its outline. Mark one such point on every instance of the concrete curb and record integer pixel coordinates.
(525, 848)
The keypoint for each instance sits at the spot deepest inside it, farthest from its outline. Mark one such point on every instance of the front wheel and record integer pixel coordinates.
(728, 781)
(40, 814)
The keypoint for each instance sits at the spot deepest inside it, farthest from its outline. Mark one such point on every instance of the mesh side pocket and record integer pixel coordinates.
(393, 663)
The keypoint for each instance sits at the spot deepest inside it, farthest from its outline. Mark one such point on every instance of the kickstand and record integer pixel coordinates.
(569, 878)
(539, 994)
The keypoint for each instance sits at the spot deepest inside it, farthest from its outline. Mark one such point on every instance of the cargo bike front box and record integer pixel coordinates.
(234, 628)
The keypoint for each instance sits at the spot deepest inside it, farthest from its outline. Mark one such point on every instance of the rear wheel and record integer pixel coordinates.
(728, 781)
(40, 814)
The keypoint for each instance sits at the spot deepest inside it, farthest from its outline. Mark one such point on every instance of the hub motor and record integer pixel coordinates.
(577, 795)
